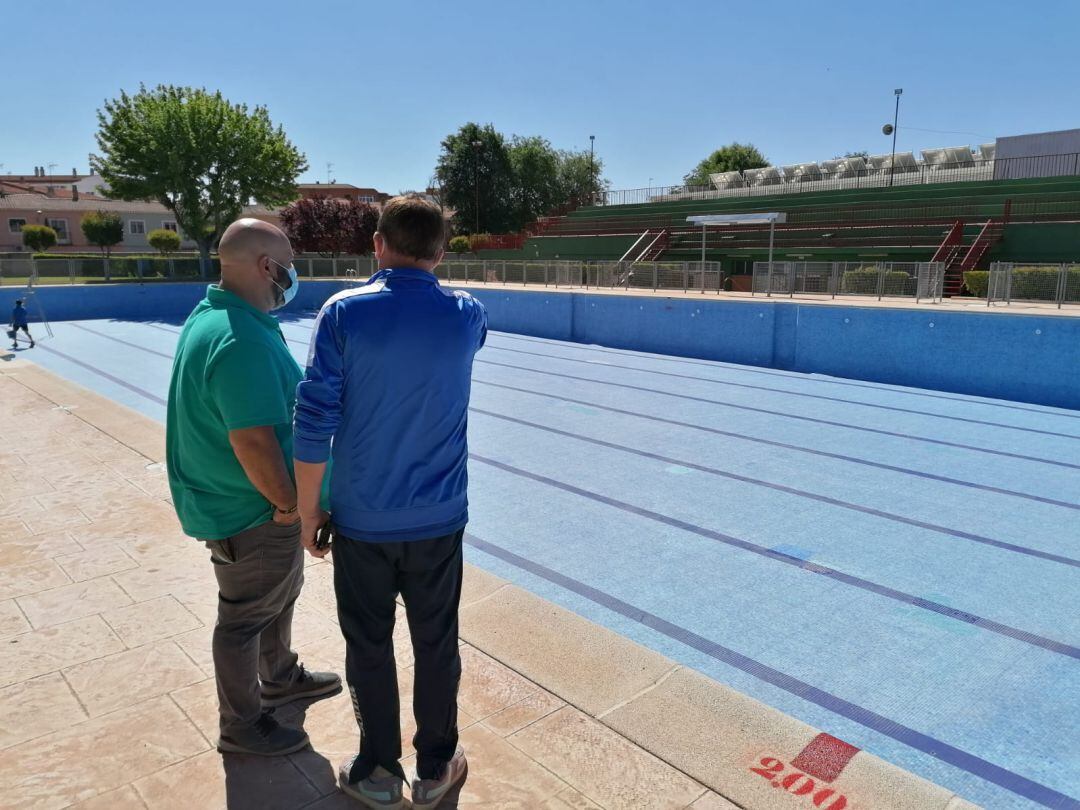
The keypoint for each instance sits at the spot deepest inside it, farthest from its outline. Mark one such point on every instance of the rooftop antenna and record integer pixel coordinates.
(329, 168)
(51, 167)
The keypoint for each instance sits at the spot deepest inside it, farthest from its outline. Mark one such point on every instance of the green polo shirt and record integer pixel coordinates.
(232, 370)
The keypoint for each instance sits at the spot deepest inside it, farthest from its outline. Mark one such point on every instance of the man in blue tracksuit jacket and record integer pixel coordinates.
(386, 393)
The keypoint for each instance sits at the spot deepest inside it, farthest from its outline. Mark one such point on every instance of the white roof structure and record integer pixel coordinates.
(767, 176)
(904, 162)
(774, 217)
(988, 151)
(724, 180)
(802, 172)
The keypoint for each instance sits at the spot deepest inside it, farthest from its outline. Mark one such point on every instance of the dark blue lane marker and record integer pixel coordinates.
(1015, 633)
(123, 383)
(784, 415)
(168, 357)
(950, 755)
(972, 399)
(1046, 555)
(771, 443)
(940, 750)
(717, 431)
(841, 400)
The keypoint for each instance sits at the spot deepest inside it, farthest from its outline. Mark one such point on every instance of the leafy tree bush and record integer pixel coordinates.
(331, 227)
(164, 240)
(977, 282)
(104, 229)
(38, 237)
(731, 158)
(460, 244)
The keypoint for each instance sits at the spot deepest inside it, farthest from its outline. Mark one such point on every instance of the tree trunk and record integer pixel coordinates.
(204, 258)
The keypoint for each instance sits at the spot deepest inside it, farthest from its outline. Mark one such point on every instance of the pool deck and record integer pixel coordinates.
(107, 695)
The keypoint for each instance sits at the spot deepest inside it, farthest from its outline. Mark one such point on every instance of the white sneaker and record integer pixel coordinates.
(381, 790)
(427, 793)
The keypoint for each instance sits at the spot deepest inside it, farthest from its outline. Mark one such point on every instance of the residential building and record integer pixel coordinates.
(342, 191)
(64, 212)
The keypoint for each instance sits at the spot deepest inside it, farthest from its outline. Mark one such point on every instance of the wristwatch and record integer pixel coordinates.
(289, 511)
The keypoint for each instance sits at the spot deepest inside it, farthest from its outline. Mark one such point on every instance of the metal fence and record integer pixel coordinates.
(18, 270)
(921, 281)
(684, 276)
(918, 173)
(1007, 282)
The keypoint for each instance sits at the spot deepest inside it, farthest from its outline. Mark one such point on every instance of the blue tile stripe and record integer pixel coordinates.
(1013, 782)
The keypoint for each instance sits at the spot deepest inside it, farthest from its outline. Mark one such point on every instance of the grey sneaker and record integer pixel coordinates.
(265, 738)
(307, 685)
(381, 790)
(427, 793)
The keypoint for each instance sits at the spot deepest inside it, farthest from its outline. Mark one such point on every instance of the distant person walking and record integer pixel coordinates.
(386, 394)
(20, 320)
(228, 451)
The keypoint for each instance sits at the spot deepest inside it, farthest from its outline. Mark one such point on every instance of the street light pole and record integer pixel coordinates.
(476, 183)
(592, 169)
(896, 117)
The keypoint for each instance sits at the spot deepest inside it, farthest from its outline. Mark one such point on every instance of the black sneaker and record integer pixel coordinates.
(264, 738)
(306, 685)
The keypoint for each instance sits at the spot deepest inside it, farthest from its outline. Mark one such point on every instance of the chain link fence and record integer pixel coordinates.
(1007, 282)
(915, 280)
(685, 276)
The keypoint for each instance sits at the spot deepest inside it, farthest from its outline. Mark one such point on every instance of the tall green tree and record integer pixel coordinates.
(731, 158)
(581, 178)
(104, 229)
(537, 188)
(475, 176)
(201, 156)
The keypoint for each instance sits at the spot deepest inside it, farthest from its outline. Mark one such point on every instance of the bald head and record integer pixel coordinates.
(247, 239)
(253, 256)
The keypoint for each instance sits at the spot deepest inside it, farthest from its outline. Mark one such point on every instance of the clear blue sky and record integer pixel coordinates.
(374, 87)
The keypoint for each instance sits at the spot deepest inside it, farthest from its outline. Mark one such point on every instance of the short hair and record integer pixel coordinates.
(413, 227)
(18, 301)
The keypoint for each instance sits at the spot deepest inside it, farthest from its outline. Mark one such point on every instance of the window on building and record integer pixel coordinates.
(169, 225)
(61, 228)
(136, 227)
(367, 198)
(15, 225)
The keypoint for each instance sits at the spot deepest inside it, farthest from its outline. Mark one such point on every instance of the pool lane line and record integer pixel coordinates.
(773, 443)
(938, 749)
(146, 349)
(784, 415)
(989, 541)
(841, 400)
(123, 383)
(1001, 629)
(733, 476)
(817, 377)
(715, 431)
(882, 590)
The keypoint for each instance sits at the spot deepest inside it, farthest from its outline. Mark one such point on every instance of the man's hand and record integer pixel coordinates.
(309, 530)
(285, 518)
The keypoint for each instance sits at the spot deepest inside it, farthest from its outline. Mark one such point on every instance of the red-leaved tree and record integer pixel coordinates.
(330, 227)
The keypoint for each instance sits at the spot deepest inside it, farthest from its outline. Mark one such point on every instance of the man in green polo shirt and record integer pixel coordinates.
(228, 438)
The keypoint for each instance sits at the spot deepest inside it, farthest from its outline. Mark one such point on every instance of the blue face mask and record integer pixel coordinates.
(287, 293)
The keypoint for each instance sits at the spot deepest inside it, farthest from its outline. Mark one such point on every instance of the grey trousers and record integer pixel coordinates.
(259, 573)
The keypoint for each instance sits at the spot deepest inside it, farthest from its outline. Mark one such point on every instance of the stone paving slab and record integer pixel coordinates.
(107, 698)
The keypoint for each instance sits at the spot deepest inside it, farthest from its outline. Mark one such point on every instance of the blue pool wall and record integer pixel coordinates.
(1025, 358)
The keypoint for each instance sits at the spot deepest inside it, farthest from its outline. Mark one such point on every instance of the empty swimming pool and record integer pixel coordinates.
(896, 566)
